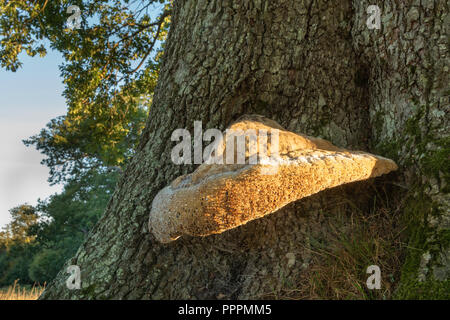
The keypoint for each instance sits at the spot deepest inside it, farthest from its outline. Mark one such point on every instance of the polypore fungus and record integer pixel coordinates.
(218, 197)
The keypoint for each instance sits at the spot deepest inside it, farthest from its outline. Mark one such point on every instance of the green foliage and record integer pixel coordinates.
(46, 264)
(15, 261)
(23, 218)
(110, 71)
(16, 244)
(75, 144)
(64, 221)
(68, 217)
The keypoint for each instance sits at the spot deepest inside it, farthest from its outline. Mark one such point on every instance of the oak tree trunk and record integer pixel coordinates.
(316, 68)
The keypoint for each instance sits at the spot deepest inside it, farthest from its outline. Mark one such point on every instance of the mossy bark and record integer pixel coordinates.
(314, 67)
(409, 107)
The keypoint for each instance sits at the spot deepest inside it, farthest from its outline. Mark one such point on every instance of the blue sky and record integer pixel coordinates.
(29, 98)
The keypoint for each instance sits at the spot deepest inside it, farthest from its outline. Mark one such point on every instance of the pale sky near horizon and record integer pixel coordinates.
(29, 98)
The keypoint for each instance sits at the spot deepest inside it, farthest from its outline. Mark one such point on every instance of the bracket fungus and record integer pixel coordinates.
(217, 197)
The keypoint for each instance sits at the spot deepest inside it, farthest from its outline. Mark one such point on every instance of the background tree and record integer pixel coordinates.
(17, 245)
(37, 242)
(23, 218)
(316, 68)
(67, 218)
(110, 71)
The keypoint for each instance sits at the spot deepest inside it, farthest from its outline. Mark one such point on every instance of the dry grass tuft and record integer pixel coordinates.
(15, 292)
(356, 240)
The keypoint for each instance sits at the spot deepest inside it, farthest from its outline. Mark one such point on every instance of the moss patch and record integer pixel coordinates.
(417, 280)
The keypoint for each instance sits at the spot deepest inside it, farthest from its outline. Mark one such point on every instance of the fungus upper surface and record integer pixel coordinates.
(218, 197)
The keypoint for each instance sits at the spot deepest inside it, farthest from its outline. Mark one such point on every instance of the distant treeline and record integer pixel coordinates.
(38, 240)
(88, 161)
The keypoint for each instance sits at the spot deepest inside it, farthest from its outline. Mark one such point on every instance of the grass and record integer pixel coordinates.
(357, 239)
(340, 271)
(351, 238)
(16, 292)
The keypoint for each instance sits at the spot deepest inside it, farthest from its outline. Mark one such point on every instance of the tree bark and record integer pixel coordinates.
(316, 68)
